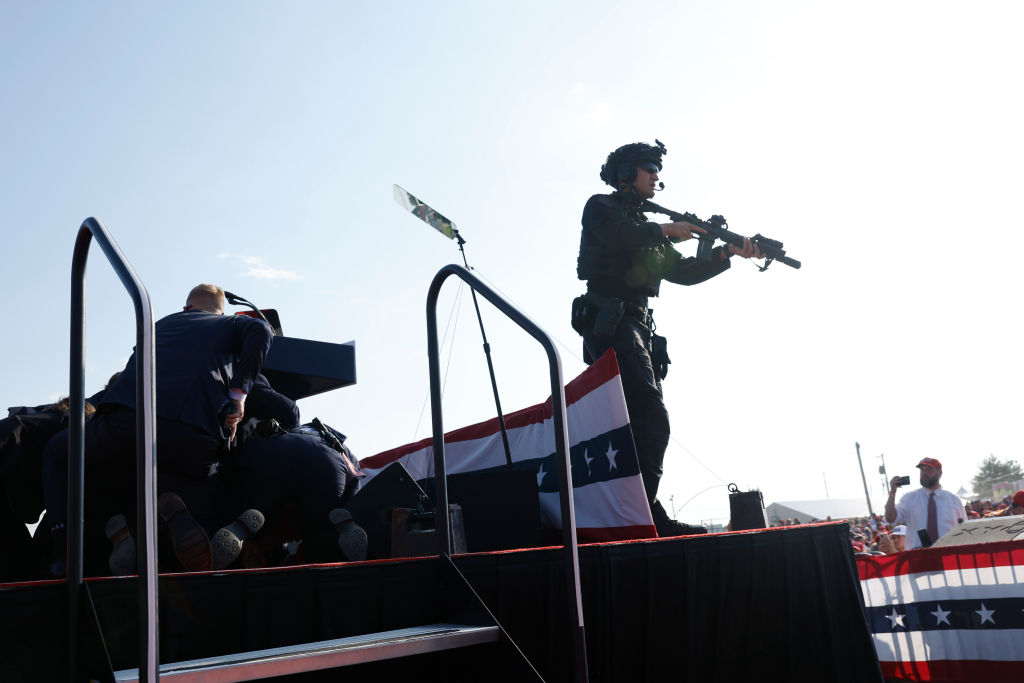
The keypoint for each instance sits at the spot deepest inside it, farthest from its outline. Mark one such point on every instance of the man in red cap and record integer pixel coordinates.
(930, 508)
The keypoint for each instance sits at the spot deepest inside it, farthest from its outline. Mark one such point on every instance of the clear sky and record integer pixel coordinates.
(255, 145)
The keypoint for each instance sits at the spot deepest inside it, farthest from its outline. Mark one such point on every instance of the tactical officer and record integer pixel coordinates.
(624, 257)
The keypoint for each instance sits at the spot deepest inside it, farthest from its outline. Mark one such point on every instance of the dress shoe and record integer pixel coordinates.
(228, 541)
(188, 538)
(123, 554)
(351, 536)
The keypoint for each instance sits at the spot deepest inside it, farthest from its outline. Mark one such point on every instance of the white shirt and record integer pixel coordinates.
(912, 510)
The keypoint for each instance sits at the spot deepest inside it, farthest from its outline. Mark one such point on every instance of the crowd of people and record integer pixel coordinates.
(873, 535)
(236, 471)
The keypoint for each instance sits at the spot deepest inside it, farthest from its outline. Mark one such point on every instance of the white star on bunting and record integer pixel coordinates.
(985, 614)
(611, 457)
(896, 618)
(941, 616)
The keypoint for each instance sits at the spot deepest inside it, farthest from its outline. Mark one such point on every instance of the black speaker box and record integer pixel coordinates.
(372, 504)
(746, 509)
(500, 508)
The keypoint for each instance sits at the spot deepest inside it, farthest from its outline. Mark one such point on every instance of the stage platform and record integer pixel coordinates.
(775, 604)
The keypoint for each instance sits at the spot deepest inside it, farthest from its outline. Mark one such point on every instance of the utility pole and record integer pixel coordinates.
(864, 479)
(825, 479)
(885, 475)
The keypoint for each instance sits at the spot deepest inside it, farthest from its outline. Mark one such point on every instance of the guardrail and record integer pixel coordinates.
(145, 425)
(561, 445)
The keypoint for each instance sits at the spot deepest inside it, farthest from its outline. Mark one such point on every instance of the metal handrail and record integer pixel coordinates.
(145, 435)
(561, 445)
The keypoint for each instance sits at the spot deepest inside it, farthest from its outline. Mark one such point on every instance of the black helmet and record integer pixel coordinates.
(621, 164)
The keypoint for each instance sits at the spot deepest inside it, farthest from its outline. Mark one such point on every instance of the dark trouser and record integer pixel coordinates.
(184, 453)
(297, 473)
(645, 402)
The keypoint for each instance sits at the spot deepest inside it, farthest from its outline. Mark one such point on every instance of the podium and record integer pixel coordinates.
(301, 367)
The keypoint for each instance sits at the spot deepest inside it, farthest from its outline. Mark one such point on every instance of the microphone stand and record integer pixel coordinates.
(444, 226)
(236, 300)
(487, 354)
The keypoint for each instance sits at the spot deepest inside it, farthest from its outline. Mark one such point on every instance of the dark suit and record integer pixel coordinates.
(199, 357)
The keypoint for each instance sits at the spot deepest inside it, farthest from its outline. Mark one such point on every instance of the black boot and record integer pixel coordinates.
(667, 526)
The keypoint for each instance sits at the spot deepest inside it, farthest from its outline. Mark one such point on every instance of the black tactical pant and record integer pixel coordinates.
(645, 402)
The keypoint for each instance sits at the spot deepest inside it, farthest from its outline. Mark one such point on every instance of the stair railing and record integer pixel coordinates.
(145, 425)
(561, 446)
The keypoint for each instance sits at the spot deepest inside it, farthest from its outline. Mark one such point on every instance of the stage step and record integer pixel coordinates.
(325, 654)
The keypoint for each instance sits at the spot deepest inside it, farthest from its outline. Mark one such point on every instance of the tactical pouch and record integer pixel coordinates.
(659, 356)
(579, 318)
(599, 313)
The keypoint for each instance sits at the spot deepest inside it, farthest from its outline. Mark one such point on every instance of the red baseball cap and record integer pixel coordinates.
(1018, 498)
(930, 462)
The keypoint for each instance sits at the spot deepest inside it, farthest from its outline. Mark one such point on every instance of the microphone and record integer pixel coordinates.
(234, 299)
(661, 186)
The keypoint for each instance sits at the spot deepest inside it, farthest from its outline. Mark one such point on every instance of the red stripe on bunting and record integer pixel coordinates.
(955, 671)
(952, 558)
(594, 534)
(593, 377)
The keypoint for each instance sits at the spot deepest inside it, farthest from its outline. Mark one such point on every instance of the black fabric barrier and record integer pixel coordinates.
(777, 604)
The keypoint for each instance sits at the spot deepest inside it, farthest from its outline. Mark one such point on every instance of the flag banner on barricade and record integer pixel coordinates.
(947, 614)
(610, 503)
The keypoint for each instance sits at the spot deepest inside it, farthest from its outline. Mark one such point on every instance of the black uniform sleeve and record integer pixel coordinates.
(692, 271)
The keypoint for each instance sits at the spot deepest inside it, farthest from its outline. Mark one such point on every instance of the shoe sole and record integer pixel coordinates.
(123, 555)
(227, 543)
(351, 537)
(189, 540)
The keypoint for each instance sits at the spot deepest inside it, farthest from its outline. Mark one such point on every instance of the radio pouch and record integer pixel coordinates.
(659, 356)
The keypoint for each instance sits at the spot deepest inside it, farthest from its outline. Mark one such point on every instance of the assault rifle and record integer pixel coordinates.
(717, 228)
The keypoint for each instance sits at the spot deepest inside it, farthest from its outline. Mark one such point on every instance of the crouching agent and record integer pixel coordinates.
(206, 364)
(300, 480)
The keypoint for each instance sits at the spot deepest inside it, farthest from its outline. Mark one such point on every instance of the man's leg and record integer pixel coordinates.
(648, 418)
(299, 472)
(109, 456)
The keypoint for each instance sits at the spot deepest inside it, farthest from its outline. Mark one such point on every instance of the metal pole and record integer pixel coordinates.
(864, 479)
(487, 354)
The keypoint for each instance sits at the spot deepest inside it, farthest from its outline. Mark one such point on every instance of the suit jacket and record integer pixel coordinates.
(199, 356)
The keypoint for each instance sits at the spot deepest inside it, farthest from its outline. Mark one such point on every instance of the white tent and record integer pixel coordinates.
(810, 510)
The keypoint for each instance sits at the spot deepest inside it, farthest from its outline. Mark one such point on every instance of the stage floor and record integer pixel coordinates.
(773, 604)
